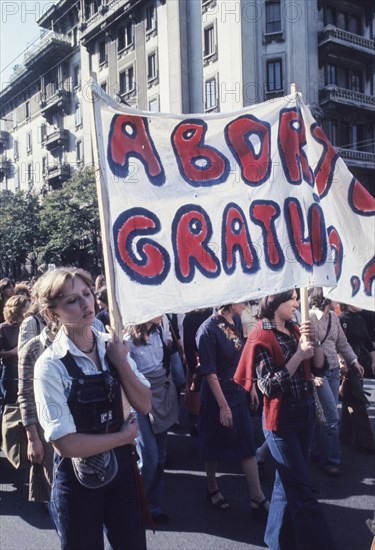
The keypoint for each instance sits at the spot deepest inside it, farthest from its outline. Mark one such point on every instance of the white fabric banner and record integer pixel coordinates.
(214, 209)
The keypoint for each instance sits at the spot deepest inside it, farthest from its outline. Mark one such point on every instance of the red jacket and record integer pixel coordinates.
(245, 374)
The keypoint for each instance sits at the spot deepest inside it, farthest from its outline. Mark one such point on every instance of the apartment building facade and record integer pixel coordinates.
(187, 56)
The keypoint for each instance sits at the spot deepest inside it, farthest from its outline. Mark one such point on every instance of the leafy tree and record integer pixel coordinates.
(19, 231)
(69, 221)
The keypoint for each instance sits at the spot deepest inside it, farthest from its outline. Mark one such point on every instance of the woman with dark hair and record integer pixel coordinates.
(150, 352)
(325, 445)
(355, 426)
(102, 302)
(275, 355)
(225, 425)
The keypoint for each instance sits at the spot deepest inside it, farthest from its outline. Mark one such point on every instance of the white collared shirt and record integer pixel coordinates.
(52, 383)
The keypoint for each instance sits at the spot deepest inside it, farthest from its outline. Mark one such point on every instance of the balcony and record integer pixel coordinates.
(57, 138)
(49, 50)
(360, 159)
(366, 4)
(5, 167)
(348, 98)
(343, 42)
(4, 139)
(55, 98)
(106, 14)
(58, 173)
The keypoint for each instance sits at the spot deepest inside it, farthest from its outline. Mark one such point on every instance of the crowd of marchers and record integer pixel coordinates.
(99, 465)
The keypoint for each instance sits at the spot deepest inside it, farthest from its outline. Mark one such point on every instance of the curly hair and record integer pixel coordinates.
(14, 308)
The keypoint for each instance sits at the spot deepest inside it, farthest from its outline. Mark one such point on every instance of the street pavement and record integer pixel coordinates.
(346, 501)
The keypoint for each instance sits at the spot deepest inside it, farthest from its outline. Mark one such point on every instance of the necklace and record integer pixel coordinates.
(92, 347)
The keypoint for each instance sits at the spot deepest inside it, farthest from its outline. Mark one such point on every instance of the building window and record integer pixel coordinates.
(14, 119)
(152, 70)
(27, 110)
(274, 76)
(29, 142)
(353, 24)
(153, 105)
(76, 76)
(329, 16)
(16, 179)
(44, 166)
(209, 41)
(74, 37)
(79, 151)
(95, 6)
(354, 80)
(127, 81)
(30, 174)
(273, 17)
(16, 149)
(125, 37)
(104, 86)
(210, 94)
(56, 121)
(330, 128)
(78, 115)
(102, 53)
(150, 17)
(331, 74)
(42, 133)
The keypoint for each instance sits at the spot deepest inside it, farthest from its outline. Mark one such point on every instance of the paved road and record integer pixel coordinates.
(347, 502)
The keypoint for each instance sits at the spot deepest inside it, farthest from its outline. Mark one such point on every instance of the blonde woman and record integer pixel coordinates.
(78, 383)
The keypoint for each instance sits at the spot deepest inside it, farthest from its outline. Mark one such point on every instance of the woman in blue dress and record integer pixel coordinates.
(225, 424)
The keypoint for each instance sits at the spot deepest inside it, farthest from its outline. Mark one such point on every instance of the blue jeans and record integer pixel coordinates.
(81, 514)
(325, 443)
(152, 451)
(295, 521)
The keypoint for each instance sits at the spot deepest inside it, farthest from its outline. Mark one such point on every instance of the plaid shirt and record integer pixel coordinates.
(275, 379)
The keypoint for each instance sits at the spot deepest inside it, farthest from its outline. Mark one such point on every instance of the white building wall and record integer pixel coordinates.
(230, 79)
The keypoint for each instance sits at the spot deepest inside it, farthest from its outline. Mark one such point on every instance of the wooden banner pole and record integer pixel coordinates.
(304, 302)
(103, 204)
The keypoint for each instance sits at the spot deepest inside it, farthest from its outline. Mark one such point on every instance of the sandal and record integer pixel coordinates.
(260, 511)
(217, 500)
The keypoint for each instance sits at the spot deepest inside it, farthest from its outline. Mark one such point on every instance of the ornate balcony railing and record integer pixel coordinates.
(47, 42)
(352, 156)
(56, 138)
(4, 139)
(332, 33)
(54, 99)
(347, 97)
(58, 173)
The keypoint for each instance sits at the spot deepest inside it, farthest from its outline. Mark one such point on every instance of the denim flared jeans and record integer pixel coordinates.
(82, 515)
(325, 444)
(295, 520)
(152, 451)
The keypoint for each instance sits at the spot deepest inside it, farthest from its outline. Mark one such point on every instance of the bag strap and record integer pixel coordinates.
(39, 324)
(165, 350)
(328, 328)
(71, 366)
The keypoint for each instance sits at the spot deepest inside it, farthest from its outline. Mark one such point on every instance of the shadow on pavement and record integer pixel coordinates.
(13, 497)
